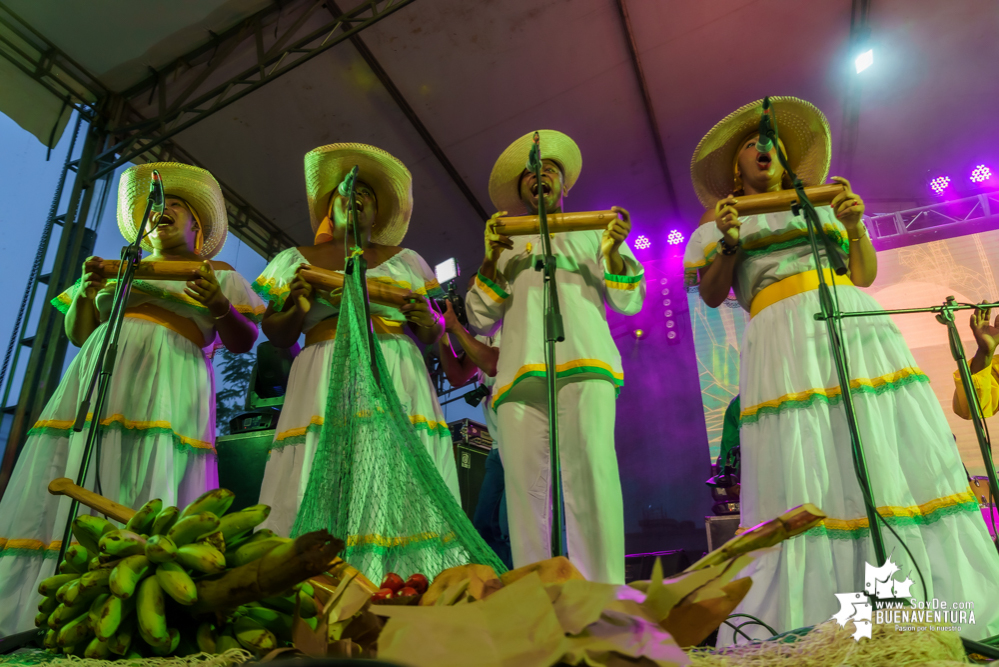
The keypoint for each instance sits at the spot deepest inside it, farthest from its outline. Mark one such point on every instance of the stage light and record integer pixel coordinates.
(669, 313)
(638, 333)
(664, 281)
(665, 291)
(666, 302)
(670, 324)
(981, 174)
(864, 60)
(671, 335)
(939, 184)
(447, 270)
(642, 242)
(675, 237)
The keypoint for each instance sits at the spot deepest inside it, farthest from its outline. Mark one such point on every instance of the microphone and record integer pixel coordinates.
(156, 195)
(765, 142)
(534, 157)
(348, 183)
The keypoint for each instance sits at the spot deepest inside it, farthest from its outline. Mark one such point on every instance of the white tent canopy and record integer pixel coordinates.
(479, 74)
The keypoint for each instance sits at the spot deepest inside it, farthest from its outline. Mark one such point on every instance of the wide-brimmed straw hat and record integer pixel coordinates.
(192, 184)
(327, 166)
(504, 181)
(801, 127)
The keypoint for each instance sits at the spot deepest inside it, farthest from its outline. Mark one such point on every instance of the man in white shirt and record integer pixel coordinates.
(595, 269)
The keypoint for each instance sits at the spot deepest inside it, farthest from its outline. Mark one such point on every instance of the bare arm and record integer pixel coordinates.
(849, 209)
(459, 370)
(424, 320)
(283, 327)
(82, 318)
(716, 280)
(237, 333)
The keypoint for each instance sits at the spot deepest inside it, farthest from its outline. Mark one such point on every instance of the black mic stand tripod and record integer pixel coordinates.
(554, 332)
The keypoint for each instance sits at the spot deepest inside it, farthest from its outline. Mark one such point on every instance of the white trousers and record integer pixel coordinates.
(594, 508)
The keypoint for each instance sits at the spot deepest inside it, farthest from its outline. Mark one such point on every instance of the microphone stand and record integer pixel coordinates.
(945, 315)
(360, 264)
(104, 368)
(554, 333)
(829, 312)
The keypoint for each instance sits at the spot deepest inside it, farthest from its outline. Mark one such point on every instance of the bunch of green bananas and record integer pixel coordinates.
(122, 592)
(259, 627)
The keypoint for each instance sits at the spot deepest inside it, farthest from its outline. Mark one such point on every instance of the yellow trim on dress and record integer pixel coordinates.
(386, 542)
(903, 512)
(559, 368)
(490, 292)
(30, 544)
(127, 423)
(799, 283)
(318, 420)
(614, 284)
(832, 392)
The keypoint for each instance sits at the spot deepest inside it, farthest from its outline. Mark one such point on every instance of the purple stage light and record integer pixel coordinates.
(642, 242)
(675, 237)
(981, 174)
(939, 184)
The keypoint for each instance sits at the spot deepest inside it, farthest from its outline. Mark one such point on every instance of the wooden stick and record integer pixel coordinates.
(557, 222)
(270, 575)
(187, 270)
(782, 200)
(66, 487)
(378, 292)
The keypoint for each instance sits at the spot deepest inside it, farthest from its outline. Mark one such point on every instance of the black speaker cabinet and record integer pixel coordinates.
(638, 567)
(471, 462)
(242, 459)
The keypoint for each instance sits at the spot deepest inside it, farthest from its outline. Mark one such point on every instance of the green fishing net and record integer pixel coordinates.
(373, 483)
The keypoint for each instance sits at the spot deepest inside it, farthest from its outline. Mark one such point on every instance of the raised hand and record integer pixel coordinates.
(92, 282)
(496, 243)
(206, 291)
(986, 335)
(847, 205)
(727, 219)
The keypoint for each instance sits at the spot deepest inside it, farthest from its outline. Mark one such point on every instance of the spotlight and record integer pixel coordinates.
(638, 333)
(675, 237)
(981, 174)
(864, 60)
(939, 184)
(642, 242)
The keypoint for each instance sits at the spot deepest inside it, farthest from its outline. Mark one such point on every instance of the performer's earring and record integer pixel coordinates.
(738, 181)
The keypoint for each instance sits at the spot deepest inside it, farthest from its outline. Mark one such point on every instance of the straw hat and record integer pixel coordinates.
(505, 177)
(802, 128)
(326, 167)
(192, 184)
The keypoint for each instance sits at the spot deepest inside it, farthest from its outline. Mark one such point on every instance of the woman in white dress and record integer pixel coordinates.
(385, 203)
(158, 429)
(794, 435)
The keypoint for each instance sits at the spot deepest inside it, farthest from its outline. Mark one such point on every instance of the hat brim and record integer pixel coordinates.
(504, 181)
(801, 127)
(327, 166)
(193, 184)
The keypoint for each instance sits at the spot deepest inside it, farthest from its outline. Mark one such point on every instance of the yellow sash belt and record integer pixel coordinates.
(791, 286)
(169, 319)
(326, 330)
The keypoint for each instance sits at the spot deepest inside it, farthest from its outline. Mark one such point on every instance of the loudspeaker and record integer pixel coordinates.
(471, 462)
(720, 529)
(638, 567)
(242, 458)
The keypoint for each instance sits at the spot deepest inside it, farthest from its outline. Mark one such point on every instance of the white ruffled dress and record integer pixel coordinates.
(291, 458)
(158, 438)
(795, 445)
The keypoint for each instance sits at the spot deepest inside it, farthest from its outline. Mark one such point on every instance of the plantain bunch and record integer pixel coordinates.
(126, 592)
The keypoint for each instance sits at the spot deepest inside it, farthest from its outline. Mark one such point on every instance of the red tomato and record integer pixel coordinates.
(392, 581)
(419, 582)
(407, 591)
(382, 594)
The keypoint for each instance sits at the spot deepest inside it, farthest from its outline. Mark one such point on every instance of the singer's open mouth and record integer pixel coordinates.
(763, 159)
(547, 189)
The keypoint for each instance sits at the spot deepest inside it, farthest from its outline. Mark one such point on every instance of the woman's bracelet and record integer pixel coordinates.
(225, 314)
(863, 233)
(727, 249)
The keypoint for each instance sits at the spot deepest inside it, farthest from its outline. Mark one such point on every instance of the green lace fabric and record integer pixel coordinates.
(373, 484)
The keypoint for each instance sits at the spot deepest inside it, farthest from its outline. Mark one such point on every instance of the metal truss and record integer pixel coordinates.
(282, 40)
(944, 214)
(37, 57)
